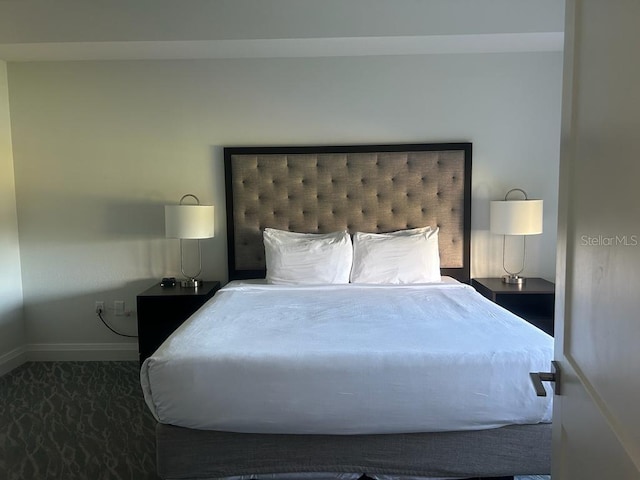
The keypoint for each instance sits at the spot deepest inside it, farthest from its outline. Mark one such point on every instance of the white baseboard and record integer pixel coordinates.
(52, 352)
(59, 352)
(13, 359)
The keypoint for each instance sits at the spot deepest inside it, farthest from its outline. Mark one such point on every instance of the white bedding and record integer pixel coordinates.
(348, 359)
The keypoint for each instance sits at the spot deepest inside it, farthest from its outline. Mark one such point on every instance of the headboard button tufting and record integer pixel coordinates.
(309, 191)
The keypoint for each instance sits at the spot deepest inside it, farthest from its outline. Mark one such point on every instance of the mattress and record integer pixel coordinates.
(348, 359)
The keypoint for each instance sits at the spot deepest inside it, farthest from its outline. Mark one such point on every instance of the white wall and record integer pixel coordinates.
(100, 147)
(11, 322)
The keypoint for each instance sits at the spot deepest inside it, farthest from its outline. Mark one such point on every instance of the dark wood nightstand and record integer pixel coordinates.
(533, 301)
(162, 310)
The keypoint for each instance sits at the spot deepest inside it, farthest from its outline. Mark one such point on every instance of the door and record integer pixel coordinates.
(597, 417)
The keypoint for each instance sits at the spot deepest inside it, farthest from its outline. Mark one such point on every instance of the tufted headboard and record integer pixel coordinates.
(377, 188)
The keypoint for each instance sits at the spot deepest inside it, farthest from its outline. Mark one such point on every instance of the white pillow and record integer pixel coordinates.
(307, 258)
(407, 256)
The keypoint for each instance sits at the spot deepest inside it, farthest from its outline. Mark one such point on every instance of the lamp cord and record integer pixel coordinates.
(99, 313)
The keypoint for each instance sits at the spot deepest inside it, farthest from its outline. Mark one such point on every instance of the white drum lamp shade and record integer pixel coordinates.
(516, 217)
(189, 221)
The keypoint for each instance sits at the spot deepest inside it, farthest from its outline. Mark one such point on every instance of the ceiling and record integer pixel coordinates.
(62, 30)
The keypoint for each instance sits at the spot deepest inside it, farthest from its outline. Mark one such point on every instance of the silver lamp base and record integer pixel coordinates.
(191, 283)
(513, 279)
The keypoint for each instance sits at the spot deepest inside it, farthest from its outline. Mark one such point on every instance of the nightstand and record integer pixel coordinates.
(534, 300)
(162, 310)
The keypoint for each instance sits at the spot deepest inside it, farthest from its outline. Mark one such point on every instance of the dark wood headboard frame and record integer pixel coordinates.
(442, 151)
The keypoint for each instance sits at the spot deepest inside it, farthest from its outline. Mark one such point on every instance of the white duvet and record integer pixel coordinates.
(348, 359)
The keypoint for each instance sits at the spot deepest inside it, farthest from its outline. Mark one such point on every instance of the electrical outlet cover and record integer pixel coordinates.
(118, 307)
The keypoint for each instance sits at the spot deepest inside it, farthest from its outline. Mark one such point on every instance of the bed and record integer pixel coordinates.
(290, 403)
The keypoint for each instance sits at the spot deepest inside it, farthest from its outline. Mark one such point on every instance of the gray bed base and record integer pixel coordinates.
(184, 453)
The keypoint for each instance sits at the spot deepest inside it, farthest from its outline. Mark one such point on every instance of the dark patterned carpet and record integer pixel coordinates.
(75, 420)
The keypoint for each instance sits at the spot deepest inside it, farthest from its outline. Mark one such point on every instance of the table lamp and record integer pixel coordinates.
(515, 217)
(189, 222)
